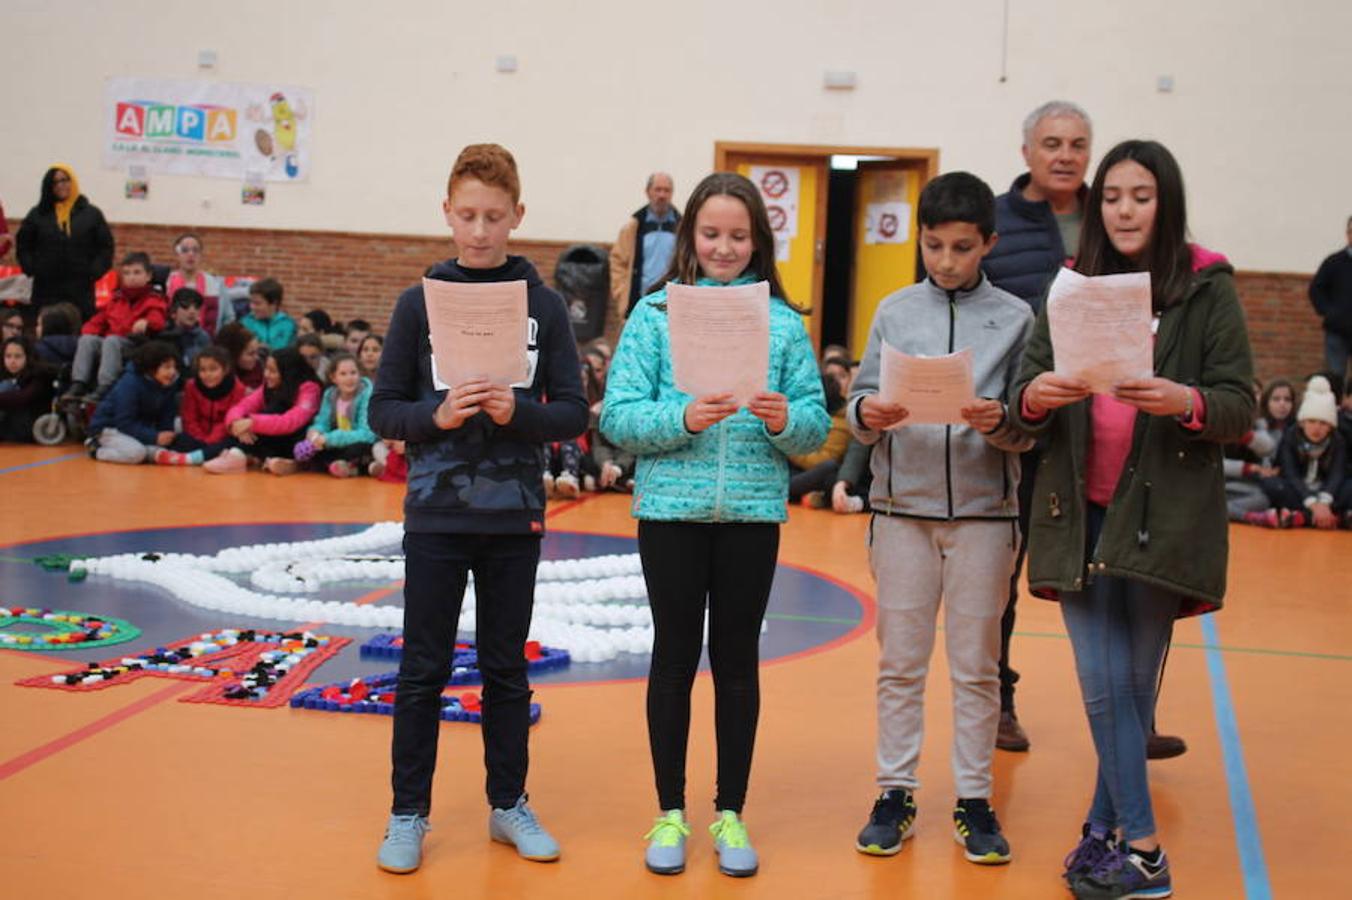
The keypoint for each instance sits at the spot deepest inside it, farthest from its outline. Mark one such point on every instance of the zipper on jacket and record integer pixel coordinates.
(722, 460)
(1143, 533)
(948, 429)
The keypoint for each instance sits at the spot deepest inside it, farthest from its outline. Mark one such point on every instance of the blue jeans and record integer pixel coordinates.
(1119, 630)
(1337, 351)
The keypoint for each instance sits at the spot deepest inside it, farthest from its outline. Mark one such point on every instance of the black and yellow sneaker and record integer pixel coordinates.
(889, 824)
(976, 828)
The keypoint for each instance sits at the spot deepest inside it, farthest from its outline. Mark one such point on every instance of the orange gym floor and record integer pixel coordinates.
(127, 793)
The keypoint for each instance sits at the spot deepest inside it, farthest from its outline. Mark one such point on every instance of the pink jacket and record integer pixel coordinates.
(294, 419)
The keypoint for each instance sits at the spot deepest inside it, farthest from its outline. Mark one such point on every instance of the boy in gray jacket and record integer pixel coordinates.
(945, 508)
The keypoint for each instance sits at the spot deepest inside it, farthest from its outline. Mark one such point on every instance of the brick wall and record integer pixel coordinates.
(1285, 333)
(361, 275)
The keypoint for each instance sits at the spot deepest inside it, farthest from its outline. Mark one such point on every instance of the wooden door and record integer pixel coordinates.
(885, 239)
(794, 190)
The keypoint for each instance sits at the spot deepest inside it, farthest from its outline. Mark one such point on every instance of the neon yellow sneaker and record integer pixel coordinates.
(736, 856)
(666, 843)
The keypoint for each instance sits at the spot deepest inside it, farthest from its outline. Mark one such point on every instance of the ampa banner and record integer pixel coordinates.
(208, 128)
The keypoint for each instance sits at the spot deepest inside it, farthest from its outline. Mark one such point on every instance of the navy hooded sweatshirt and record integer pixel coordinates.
(480, 478)
(138, 406)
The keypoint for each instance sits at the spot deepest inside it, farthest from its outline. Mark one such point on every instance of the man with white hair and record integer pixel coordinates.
(644, 248)
(1038, 222)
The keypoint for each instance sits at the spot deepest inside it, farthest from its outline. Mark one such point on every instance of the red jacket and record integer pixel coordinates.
(123, 311)
(203, 417)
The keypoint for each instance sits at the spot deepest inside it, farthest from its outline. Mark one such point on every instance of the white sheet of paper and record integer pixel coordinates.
(1100, 327)
(720, 338)
(477, 331)
(934, 389)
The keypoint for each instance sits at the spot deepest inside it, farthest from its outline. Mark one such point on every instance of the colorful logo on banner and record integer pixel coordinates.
(148, 120)
(208, 128)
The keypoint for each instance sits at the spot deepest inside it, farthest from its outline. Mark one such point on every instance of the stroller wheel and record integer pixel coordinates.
(50, 429)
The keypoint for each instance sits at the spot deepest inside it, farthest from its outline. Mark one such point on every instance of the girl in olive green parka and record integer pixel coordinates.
(1129, 524)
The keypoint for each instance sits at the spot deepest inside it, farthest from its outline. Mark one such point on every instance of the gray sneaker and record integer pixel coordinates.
(401, 851)
(519, 827)
(666, 843)
(736, 856)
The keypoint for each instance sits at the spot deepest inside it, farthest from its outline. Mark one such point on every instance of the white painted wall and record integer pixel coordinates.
(1260, 118)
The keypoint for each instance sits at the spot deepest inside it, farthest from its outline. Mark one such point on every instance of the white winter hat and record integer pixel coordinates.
(1318, 403)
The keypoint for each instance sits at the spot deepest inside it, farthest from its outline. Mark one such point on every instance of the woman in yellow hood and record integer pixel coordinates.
(64, 243)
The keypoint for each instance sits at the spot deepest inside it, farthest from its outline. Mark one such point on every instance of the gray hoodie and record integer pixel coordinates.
(947, 471)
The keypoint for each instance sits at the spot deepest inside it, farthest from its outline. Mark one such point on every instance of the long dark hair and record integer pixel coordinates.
(30, 362)
(1168, 259)
(1266, 396)
(47, 200)
(684, 264)
(295, 371)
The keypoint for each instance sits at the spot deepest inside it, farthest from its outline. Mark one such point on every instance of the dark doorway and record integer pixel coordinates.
(837, 282)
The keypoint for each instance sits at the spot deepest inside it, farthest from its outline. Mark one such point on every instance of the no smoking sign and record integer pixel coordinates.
(774, 184)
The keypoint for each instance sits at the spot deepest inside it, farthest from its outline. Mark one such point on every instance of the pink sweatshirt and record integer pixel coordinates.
(294, 419)
(1111, 421)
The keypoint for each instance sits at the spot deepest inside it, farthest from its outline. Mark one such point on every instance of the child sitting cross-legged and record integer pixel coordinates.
(340, 439)
(137, 416)
(207, 397)
(265, 426)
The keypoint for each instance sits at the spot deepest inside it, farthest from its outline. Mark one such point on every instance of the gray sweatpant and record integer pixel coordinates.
(106, 352)
(915, 563)
(111, 445)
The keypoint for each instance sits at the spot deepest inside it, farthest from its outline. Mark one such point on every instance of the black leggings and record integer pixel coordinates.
(731, 568)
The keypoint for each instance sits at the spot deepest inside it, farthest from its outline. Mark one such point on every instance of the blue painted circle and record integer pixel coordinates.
(805, 613)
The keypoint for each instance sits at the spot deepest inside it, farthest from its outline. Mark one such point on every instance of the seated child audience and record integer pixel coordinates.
(311, 346)
(368, 355)
(58, 334)
(813, 475)
(136, 312)
(217, 311)
(316, 321)
(1312, 488)
(341, 438)
(1247, 463)
(207, 397)
(598, 353)
(563, 469)
(11, 323)
(185, 329)
(357, 330)
(137, 416)
(244, 350)
(266, 425)
(613, 465)
(854, 478)
(266, 319)
(388, 462)
(25, 391)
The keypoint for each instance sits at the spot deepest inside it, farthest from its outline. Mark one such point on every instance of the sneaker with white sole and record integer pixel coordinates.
(518, 826)
(666, 843)
(1123, 874)
(977, 829)
(736, 856)
(891, 822)
(1093, 847)
(401, 851)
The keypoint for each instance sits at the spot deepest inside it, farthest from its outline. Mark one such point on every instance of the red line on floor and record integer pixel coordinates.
(84, 732)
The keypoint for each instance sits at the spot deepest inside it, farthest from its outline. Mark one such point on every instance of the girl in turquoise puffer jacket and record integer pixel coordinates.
(710, 491)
